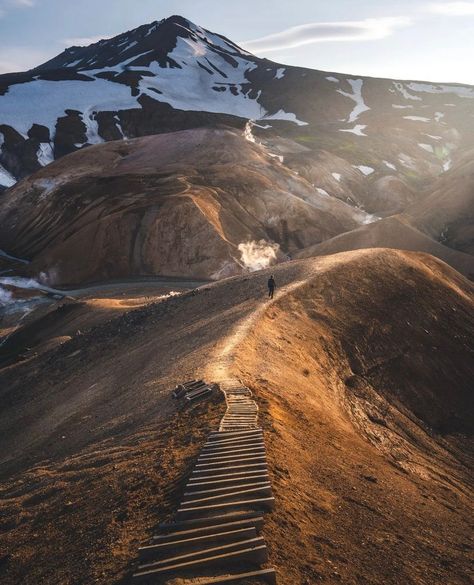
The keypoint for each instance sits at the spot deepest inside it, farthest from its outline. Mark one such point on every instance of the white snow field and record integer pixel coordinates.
(43, 102)
(205, 81)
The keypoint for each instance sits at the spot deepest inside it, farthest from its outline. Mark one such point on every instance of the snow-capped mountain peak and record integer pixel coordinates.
(173, 74)
(144, 44)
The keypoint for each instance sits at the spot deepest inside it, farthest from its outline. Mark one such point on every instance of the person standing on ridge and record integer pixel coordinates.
(271, 286)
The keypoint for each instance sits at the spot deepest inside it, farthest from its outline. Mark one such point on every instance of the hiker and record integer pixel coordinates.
(271, 286)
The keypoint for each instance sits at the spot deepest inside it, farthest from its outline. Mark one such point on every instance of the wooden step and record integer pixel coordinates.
(257, 556)
(233, 460)
(158, 549)
(212, 522)
(267, 575)
(200, 511)
(238, 441)
(231, 447)
(216, 528)
(234, 434)
(203, 553)
(231, 455)
(226, 483)
(219, 471)
(223, 490)
(264, 490)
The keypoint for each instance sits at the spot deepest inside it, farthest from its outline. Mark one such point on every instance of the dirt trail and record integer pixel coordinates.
(220, 368)
(360, 367)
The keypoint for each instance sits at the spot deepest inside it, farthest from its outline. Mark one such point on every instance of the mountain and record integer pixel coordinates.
(180, 153)
(173, 75)
(205, 203)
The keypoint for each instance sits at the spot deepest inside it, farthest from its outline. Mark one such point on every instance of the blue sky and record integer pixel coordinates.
(410, 39)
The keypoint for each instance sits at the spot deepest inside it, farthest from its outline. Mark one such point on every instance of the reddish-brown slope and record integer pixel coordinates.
(363, 370)
(392, 232)
(172, 204)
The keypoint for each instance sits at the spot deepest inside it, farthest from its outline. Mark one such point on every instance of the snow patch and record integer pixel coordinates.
(45, 154)
(89, 117)
(6, 179)
(282, 115)
(447, 164)
(458, 90)
(322, 192)
(333, 79)
(28, 283)
(43, 102)
(408, 96)
(280, 73)
(357, 130)
(407, 161)
(389, 165)
(129, 46)
(434, 137)
(258, 255)
(438, 116)
(370, 218)
(248, 132)
(118, 126)
(416, 118)
(356, 96)
(426, 147)
(364, 169)
(73, 63)
(337, 176)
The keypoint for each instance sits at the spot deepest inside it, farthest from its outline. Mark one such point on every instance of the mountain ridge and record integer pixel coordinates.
(164, 75)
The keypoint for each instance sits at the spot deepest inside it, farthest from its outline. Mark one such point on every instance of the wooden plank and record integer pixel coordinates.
(257, 555)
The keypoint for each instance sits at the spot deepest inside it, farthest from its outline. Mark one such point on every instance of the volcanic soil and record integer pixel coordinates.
(362, 366)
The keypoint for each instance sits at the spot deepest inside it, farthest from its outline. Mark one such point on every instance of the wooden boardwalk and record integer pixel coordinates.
(215, 534)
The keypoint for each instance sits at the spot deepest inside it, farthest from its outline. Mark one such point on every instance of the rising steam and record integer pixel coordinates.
(258, 255)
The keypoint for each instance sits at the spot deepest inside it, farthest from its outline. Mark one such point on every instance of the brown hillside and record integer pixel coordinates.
(171, 204)
(363, 367)
(447, 213)
(392, 232)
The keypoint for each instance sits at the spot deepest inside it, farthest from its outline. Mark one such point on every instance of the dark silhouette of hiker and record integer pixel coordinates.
(271, 286)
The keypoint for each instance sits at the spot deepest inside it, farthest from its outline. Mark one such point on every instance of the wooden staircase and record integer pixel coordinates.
(215, 534)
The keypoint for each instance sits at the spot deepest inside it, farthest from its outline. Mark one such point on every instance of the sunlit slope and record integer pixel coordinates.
(188, 203)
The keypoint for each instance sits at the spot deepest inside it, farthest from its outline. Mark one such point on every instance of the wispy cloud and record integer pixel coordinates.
(451, 8)
(83, 41)
(5, 5)
(319, 32)
(22, 58)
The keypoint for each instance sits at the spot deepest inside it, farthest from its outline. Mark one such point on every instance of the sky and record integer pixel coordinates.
(406, 39)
